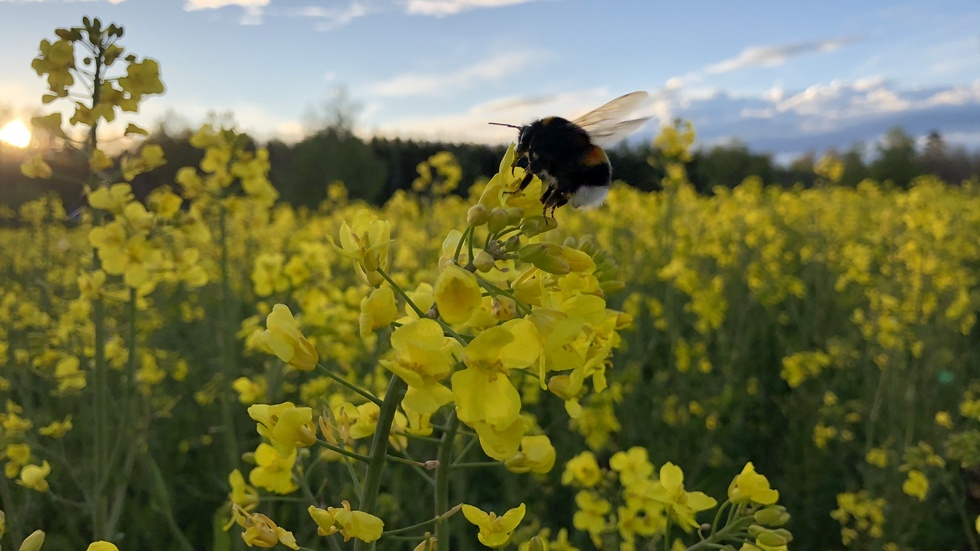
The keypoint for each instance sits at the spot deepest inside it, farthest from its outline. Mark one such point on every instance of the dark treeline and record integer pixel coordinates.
(374, 169)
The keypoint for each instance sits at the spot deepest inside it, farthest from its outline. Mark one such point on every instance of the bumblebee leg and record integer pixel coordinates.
(527, 180)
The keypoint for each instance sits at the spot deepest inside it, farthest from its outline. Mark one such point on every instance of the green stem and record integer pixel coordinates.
(352, 387)
(227, 350)
(459, 246)
(397, 288)
(343, 451)
(101, 386)
(442, 480)
(379, 451)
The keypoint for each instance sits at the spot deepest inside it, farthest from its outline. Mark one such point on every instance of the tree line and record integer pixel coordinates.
(374, 169)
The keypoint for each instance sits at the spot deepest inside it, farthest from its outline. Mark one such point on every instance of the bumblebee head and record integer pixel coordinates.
(523, 141)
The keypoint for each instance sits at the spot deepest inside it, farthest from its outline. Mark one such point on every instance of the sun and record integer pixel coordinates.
(15, 133)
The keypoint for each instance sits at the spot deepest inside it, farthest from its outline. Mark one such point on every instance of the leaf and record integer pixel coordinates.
(132, 129)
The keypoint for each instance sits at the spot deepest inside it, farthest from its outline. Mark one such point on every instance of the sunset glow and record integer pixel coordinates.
(15, 133)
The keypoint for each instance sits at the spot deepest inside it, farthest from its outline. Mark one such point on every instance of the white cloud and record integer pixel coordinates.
(769, 56)
(253, 8)
(332, 18)
(441, 8)
(472, 125)
(420, 84)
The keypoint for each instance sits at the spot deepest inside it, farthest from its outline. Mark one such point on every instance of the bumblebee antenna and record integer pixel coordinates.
(505, 124)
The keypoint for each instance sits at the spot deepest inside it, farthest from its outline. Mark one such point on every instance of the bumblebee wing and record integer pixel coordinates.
(610, 113)
(608, 135)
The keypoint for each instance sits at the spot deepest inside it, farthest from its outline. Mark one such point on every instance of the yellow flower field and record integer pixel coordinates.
(758, 369)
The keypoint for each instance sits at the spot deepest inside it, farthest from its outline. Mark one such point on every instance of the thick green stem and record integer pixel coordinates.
(379, 451)
(101, 383)
(227, 348)
(442, 481)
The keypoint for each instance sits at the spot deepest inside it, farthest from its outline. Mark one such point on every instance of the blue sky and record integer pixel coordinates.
(782, 76)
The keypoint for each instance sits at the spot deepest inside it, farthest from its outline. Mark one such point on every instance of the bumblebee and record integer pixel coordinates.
(562, 152)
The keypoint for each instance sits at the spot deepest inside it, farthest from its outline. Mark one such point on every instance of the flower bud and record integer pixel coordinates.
(512, 243)
(514, 215)
(552, 264)
(577, 260)
(33, 542)
(537, 225)
(497, 220)
(770, 538)
(536, 544)
(477, 215)
(533, 251)
(483, 261)
(774, 515)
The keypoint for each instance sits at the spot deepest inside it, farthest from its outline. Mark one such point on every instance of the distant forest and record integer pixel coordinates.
(374, 169)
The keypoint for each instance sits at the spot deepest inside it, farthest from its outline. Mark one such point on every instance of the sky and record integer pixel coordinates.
(782, 77)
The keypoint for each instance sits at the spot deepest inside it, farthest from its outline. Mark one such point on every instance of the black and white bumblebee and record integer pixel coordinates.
(564, 155)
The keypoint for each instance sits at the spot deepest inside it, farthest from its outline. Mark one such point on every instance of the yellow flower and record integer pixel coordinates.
(363, 418)
(261, 531)
(483, 391)
(583, 469)
(17, 456)
(457, 294)
(273, 471)
(877, 457)
(242, 494)
(357, 524)
(681, 504)
(285, 425)
(494, 531)
(57, 429)
(98, 161)
(34, 477)
(285, 340)
(750, 486)
(377, 310)
(325, 521)
(112, 198)
(423, 356)
(35, 167)
(349, 523)
(916, 485)
(632, 465)
(537, 455)
(366, 241)
(500, 443)
(591, 515)
(142, 78)
(249, 391)
(101, 546)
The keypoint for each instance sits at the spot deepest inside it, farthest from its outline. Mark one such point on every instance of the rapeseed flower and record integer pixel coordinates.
(483, 391)
(273, 471)
(750, 486)
(283, 338)
(494, 531)
(35, 477)
(423, 356)
(680, 504)
(457, 294)
(348, 522)
(366, 241)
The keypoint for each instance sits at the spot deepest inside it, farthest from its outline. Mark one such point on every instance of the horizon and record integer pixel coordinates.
(780, 80)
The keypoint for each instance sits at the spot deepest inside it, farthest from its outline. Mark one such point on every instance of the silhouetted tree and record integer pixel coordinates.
(896, 159)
